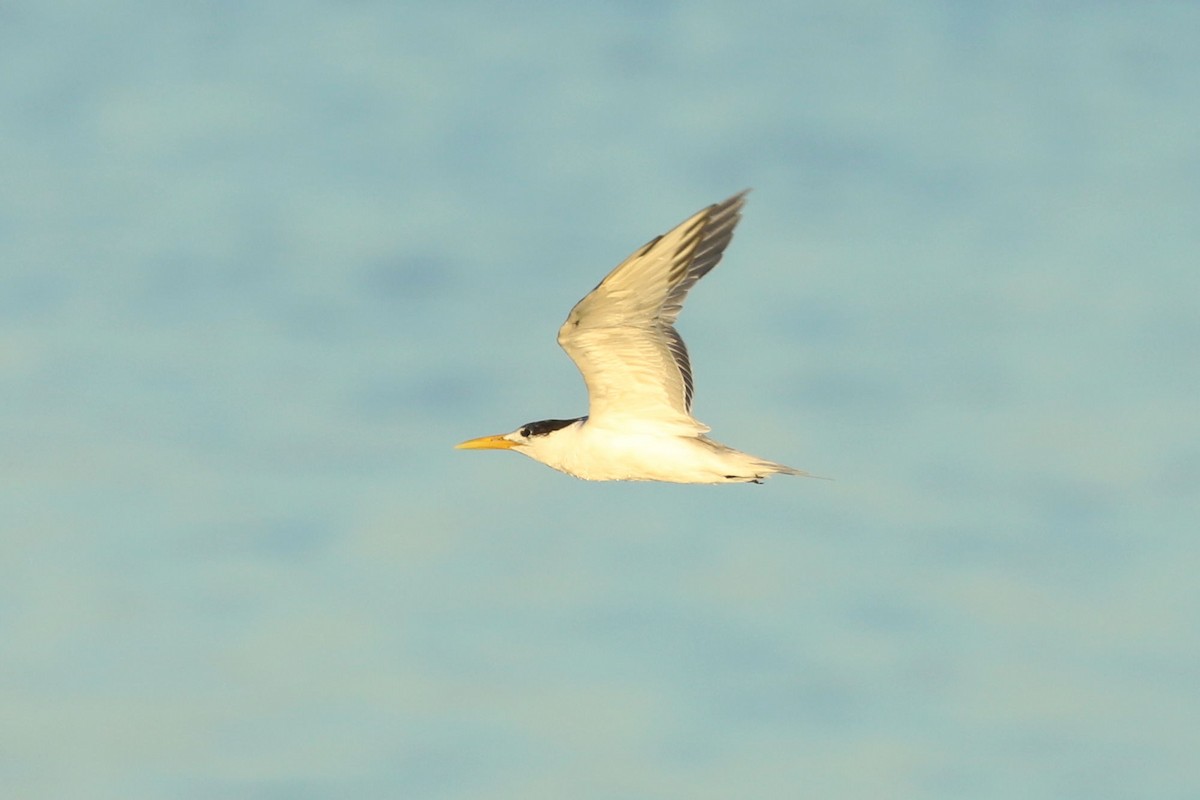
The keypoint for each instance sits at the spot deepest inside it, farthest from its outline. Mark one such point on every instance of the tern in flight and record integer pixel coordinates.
(639, 425)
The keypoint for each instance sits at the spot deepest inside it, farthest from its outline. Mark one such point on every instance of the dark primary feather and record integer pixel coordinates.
(680, 354)
(722, 218)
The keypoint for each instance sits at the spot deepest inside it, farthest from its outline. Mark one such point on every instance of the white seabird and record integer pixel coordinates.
(639, 425)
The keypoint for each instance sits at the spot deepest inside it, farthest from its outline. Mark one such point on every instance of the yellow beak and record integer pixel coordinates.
(486, 443)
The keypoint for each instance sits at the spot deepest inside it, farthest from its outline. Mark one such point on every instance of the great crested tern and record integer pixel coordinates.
(639, 425)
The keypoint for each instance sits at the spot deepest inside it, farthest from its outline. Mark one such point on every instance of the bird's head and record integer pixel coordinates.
(526, 439)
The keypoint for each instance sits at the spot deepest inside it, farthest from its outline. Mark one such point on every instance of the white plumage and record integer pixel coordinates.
(639, 425)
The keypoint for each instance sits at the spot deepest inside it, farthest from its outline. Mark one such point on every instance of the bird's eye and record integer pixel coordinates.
(525, 432)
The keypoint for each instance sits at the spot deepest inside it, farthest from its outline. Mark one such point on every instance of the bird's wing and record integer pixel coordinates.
(621, 337)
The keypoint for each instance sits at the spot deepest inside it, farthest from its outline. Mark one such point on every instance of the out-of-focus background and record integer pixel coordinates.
(262, 265)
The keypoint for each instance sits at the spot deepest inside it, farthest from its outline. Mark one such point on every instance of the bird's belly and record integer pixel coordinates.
(606, 455)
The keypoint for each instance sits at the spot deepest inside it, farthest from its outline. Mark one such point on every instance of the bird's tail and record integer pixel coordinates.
(767, 468)
(743, 467)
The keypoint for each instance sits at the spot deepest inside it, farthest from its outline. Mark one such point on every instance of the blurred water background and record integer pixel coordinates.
(263, 264)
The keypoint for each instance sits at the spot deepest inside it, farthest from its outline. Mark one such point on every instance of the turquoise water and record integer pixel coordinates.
(261, 267)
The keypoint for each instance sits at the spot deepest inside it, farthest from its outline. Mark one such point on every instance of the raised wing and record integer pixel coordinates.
(621, 335)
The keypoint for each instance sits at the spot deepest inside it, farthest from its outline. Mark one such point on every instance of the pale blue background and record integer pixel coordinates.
(262, 265)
